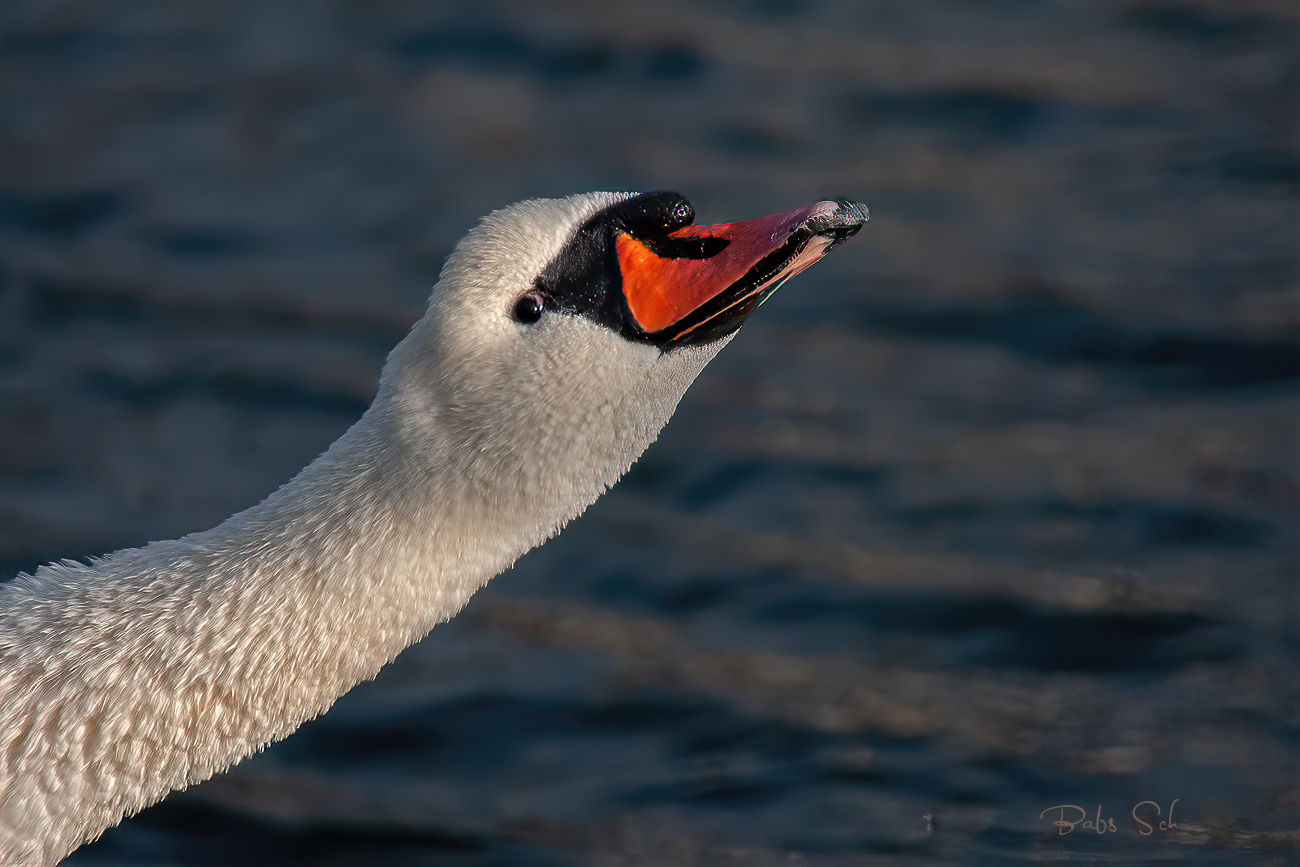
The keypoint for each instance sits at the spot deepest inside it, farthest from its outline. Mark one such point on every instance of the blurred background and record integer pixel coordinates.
(992, 511)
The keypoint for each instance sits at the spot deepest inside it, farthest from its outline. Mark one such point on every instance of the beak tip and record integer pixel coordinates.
(859, 211)
(839, 217)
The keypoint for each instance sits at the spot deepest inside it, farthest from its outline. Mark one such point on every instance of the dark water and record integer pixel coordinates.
(992, 511)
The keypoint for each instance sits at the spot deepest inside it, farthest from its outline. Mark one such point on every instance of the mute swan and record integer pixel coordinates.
(558, 341)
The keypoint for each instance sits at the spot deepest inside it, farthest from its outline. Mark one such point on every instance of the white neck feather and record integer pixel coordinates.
(156, 667)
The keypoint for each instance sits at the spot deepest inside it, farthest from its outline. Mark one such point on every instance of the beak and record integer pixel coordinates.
(701, 282)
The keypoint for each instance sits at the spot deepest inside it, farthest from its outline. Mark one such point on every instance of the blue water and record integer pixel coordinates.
(993, 511)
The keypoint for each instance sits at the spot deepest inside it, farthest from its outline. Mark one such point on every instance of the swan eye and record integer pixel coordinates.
(528, 309)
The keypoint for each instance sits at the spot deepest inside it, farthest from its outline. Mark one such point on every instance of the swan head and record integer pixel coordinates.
(563, 332)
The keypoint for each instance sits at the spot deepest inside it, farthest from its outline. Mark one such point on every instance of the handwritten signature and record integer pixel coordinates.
(1102, 825)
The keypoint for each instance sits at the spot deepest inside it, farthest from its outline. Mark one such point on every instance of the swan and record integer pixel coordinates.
(558, 340)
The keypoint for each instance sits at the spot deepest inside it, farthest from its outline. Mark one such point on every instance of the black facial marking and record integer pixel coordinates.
(653, 215)
(685, 248)
(585, 279)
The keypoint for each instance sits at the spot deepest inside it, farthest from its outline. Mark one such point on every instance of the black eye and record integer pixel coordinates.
(528, 309)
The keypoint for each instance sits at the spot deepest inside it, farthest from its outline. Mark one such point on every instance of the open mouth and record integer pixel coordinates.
(700, 283)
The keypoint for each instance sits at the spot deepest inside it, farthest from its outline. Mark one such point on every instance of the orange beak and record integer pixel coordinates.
(687, 288)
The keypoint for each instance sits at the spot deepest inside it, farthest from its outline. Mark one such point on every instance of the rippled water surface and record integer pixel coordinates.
(993, 511)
